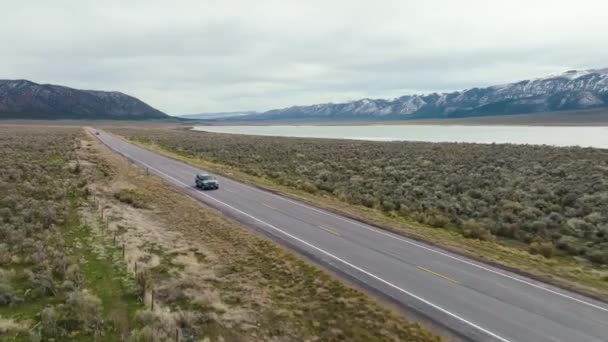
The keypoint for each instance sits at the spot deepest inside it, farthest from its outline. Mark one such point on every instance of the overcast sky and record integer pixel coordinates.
(208, 56)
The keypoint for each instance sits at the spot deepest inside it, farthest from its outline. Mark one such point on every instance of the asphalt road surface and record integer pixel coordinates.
(479, 302)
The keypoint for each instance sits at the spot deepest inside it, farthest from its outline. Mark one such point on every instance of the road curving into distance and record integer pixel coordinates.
(477, 301)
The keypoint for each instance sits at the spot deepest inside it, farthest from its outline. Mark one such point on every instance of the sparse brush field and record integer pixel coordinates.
(52, 286)
(537, 208)
(92, 249)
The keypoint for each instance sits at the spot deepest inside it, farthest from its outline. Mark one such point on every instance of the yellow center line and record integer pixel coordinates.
(331, 231)
(437, 274)
(269, 206)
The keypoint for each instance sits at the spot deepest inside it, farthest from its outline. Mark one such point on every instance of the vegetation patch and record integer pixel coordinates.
(52, 286)
(540, 209)
(132, 197)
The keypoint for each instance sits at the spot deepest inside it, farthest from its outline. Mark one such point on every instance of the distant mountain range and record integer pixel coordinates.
(219, 115)
(572, 90)
(22, 99)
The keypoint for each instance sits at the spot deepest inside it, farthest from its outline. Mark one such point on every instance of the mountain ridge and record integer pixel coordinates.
(217, 115)
(24, 99)
(571, 90)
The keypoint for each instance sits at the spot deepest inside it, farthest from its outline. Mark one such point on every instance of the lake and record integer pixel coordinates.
(536, 135)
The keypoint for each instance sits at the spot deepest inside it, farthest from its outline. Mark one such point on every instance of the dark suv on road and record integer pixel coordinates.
(206, 182)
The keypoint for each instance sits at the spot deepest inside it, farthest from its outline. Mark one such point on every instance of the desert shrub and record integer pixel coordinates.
(599, 256)
(571, 245)
(68, 286)
(82, 311)
(519, 192)
(41, 283)
(132, 197)
(73, 275)
(156, 326)
(7, 294)
(388, 206)
(474, 230)
(175, 290)
(60, 264)
(50, 324)
(5, 254)
(437, 220)
(76, 168)
(545, 249)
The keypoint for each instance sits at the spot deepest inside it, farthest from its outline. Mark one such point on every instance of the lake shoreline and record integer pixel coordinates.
(594, 118)
(559, 136)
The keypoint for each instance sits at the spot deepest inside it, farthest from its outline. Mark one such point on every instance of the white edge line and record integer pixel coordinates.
(378, 231)
(335, 257)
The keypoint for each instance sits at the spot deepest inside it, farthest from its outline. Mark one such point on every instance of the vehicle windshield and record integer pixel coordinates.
(205, 177)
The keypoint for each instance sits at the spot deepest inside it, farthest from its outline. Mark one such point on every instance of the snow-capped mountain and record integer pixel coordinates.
(22, 99)
(572, 90)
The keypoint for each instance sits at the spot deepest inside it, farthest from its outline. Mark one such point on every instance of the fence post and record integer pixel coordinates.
(152, 301)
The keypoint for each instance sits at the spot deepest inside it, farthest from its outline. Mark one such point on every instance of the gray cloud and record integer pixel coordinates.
(203, 56)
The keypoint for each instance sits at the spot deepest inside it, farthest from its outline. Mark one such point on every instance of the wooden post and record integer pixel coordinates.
(135, 268)
(123, 250)
(114, 238)
(152, 301)
(176, 334)
(147, 172)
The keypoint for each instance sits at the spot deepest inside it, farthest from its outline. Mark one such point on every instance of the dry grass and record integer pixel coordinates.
(217, 280)
(9, 326)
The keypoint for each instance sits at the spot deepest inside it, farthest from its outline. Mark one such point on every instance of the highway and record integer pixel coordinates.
(479, 302)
